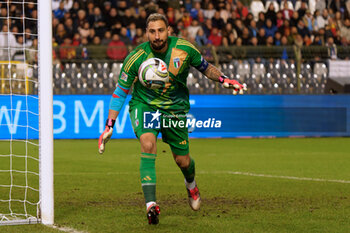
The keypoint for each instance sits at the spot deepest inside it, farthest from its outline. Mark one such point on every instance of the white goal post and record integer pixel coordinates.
(45, 112)
(26, 114)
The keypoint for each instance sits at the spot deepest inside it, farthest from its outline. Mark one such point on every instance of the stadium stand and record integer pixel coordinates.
(91, 39)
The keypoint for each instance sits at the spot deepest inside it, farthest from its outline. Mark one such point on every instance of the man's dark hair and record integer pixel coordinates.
(156, 17)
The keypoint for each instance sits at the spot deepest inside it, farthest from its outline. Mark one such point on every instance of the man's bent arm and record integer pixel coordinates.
(117, 101)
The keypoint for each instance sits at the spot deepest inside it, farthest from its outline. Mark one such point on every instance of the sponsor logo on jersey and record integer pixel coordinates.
(176, 62)
(124, 76)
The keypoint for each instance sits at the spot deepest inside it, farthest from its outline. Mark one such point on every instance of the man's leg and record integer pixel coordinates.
(187, 166)
(148, 175)
(177, 138)
(148, 141)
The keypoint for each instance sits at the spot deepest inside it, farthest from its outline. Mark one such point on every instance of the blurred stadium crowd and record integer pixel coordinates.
(220, 23)
(119, 23)
(98, 34)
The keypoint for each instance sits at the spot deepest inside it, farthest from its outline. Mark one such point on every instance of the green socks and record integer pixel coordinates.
(189, 172)
(148, 176)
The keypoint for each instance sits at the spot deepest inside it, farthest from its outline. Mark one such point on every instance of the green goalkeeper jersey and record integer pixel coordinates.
(174, 97)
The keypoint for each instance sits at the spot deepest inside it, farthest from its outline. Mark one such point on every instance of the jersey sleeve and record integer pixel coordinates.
(127, 76)
(195, 57)
(130, 68)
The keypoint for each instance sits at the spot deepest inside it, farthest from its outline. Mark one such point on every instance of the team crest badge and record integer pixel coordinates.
(124, 76)
(176, 62)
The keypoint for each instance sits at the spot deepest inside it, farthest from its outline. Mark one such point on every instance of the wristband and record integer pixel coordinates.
(110, 123)
(222, 78)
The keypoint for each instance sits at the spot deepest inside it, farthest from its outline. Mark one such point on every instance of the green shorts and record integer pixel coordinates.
(147, 119)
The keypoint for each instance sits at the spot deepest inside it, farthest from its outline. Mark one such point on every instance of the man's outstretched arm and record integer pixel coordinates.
(215, 74)
(210, 71)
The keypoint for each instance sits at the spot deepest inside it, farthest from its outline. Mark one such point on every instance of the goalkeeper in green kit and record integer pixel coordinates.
(172, 100)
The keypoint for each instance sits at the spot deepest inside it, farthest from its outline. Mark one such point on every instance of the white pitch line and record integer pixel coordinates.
(67, 229)
(216, 172)
(288, 177)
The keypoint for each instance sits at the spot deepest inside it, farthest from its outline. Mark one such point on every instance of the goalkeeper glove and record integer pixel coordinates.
(232, 84)
(106, 135)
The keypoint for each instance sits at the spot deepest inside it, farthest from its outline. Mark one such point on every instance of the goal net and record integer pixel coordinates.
(26, 192)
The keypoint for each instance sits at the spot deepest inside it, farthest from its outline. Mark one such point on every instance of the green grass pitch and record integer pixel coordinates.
(95, 193)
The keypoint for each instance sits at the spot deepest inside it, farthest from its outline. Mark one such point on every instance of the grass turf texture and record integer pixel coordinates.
(97, 193)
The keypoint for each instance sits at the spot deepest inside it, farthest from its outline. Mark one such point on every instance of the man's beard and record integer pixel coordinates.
(158, 44)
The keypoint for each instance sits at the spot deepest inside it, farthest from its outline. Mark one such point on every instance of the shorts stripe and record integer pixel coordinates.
(148, 157)
(146, 184)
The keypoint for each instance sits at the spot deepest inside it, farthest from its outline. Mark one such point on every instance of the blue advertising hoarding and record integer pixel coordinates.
(83, 116)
